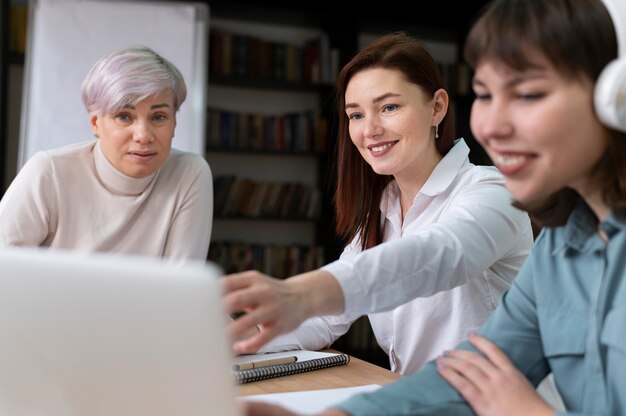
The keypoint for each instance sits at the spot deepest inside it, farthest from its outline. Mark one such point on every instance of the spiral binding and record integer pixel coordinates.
(262, 373)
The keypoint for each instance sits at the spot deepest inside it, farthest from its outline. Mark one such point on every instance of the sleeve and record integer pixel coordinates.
(313, 334)
(513, 327)
(190, 232)
(28, 212)
(479, 228)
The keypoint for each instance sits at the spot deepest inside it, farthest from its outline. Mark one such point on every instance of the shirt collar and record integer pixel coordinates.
(614, 223)
(447, 169)
(439, 180)
(582, 225)
(114, 180)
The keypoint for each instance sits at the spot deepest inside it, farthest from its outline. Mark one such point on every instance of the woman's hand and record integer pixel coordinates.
(248, 334)
(276, 306)
(257, 408)
(254, 408)
(491, 384)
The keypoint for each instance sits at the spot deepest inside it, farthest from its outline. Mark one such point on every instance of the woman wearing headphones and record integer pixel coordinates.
(539, 66)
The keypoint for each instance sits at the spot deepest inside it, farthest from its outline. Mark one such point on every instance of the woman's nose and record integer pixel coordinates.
(373, 127)
(491, 121)
(143, 132)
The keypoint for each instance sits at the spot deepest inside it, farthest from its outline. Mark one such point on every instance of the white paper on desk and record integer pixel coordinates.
(313, 401)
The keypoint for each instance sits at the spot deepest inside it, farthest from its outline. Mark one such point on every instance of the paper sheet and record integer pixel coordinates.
(314, 401)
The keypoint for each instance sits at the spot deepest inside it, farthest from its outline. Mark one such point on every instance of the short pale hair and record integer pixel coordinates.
(127, 76)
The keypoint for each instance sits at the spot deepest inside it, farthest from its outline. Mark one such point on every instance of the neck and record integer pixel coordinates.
(411, 184)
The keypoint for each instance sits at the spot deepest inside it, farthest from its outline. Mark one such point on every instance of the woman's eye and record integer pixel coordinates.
(390, 107)
(355, 116)
(122, 116)
(531, 96)
(478, 96)
(159, 117)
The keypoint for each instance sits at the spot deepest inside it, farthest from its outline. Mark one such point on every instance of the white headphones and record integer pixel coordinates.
(610, 90)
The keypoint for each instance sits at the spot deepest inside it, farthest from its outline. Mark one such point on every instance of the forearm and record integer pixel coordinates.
(319, 291)
(423, 393)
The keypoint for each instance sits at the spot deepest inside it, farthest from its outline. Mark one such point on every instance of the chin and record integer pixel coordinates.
(139, 173)
(529, 197)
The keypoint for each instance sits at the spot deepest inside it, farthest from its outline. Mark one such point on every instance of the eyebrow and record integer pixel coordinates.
(516, 79)
(375, 100)
(152, 107)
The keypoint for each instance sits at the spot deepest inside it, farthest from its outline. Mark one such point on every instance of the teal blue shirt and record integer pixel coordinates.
(565, 313)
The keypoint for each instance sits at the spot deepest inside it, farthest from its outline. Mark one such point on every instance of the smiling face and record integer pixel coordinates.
(538, 127)
(137, 139)
(391, 122)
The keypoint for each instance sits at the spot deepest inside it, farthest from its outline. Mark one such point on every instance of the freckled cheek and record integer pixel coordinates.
(356, 135)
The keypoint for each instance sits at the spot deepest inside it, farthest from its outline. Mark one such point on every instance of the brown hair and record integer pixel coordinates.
(359, 189)
(578, 38)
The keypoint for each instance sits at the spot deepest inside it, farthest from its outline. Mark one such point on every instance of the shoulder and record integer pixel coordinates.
(46, 159)
(546, 250)
(82, 149)
(481, 189)
(179, 159)
(480, 174)
(47, 168)
(61, 157)
(186, 165)
(480, 181)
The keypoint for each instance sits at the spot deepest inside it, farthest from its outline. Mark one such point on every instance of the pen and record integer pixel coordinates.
(264, 363)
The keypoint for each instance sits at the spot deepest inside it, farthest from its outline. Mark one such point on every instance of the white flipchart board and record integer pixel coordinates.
(66, 37)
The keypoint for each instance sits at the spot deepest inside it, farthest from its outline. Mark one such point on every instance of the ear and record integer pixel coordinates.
(95, 124)
(440, 105)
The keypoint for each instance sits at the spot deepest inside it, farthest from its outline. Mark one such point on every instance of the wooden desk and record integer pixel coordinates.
(356, 373)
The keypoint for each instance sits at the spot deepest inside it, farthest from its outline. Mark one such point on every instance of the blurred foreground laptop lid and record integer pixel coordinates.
(92, 335)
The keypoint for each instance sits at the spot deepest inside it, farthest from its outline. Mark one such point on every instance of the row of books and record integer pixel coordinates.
(239, 55)
(243, 197)
(301, 132)
(280, 261)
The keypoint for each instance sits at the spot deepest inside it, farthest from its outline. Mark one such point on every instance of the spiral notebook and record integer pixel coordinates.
(304, 361)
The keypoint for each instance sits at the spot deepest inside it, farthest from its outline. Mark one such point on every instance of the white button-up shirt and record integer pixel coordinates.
(457, 250)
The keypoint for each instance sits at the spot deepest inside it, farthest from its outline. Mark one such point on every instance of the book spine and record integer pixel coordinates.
(262, 373)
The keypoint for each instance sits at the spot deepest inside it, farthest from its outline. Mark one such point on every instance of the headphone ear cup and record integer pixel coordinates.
(610, 95)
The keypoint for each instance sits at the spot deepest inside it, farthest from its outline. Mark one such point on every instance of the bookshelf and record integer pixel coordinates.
(267, 144)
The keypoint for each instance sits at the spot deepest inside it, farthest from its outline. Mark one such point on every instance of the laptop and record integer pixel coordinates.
(104, 334)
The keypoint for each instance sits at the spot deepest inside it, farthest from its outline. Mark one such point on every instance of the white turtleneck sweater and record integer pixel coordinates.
(73, 198)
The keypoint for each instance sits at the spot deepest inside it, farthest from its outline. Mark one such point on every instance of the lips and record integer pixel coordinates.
(142, 154)
(142, 157)
(380, 148)
(511, 163)
(509, 160)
